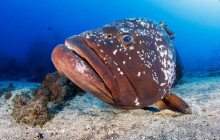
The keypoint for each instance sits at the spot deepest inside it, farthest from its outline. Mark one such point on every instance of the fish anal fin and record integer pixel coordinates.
(173, 102)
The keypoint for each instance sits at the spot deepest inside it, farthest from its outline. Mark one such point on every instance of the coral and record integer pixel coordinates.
(21, 100)
(10, 85)
(7, 91)
(48, 99)
(57, 89)
(8, 95)
(30, 112)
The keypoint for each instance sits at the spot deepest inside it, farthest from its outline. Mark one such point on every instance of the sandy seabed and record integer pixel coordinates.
(86, 117)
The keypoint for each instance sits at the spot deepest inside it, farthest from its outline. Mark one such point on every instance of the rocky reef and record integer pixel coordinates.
(40, 105)
(30, 112)
(7, 91)
(57, 89)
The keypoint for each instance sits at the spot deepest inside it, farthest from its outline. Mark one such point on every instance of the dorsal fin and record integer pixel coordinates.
(173, 102)
(170, 33)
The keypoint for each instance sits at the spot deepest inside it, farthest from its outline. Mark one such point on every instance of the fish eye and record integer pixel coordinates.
(127, 39)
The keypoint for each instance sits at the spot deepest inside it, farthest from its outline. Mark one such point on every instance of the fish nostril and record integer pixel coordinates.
(109, 36)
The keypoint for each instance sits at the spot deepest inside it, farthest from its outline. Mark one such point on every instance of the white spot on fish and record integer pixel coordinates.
(80, 67)
(115, 63)
(158, 39)
(162, 84)
(124, 62)
(139, 74)
(136, 102)
(143, 23)
(155, 78)
(115, 51)
(131, 48)
(121, 72)
(87, 36)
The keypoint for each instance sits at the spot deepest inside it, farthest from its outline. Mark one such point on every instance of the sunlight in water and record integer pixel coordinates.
(205, 12)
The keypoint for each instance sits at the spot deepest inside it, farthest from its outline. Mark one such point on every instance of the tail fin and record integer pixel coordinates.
(173, 102)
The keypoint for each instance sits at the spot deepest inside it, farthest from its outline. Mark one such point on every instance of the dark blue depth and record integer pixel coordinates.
(29, 30)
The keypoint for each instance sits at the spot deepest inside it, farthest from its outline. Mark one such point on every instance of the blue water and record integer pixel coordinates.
(30, 29)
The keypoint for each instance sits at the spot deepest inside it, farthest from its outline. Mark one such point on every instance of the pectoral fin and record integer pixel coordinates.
(173, 102)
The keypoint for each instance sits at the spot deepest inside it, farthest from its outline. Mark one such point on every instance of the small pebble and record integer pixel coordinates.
(39, 136)
(205, 110)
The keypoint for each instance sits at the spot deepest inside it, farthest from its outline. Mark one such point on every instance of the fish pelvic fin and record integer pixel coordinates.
(173, 102)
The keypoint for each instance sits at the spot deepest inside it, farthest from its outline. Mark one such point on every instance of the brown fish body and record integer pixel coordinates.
(127, 64)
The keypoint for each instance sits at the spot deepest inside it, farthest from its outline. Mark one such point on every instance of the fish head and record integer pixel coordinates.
(127, 64)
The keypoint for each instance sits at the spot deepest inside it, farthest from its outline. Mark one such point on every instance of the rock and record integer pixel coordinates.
(39, 136)
(10, 85)
(57, 89)
(8, 95)
(48, 99)
(30, 112)
(8, 90)
(205, 110)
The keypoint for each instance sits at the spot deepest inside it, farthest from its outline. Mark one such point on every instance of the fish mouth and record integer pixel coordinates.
(80, 63)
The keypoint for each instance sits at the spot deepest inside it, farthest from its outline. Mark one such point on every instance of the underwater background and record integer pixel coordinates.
(29, 30)
(38, 103)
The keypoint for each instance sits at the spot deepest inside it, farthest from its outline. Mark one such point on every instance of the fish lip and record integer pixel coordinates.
(74, 68)
(79, 46)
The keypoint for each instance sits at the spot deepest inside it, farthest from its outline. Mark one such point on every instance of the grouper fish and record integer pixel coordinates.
(128, 64)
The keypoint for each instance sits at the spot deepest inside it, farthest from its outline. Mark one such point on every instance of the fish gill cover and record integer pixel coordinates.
(29, 30)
